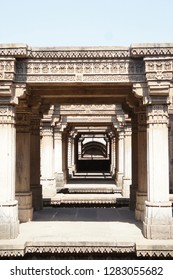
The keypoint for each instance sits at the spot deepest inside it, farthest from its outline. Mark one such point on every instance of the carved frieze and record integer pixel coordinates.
(77, 71)
(22, 122)
(7, 114)
(157, 114)
(81, 109)
(7, 69)
(159, 69)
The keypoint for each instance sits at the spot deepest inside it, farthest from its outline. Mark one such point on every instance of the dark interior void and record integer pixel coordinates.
(93, 165)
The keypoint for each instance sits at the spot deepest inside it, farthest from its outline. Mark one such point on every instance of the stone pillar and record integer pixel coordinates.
(113, 154)
(58, 168)
(47, 160)
(73, 153)
(120, 158)
(23, 192)
(36, 187)
(171, 152)
(64, 156)
(134, 185)
(9, 223)
(158, 223)
(127, 178)
(69, 160)
(141, 194)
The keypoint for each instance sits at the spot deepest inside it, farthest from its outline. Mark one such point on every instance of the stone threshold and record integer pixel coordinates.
(152, 250)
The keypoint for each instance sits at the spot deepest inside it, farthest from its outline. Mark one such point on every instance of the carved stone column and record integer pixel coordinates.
(36, 187)
(69, 157)
(113, 154)
(58, 167)
(134, 185)
(23, 192)
(73, 153)
(9, 223)
(127, 178)
(47, 160)
(120, 158)
(158, 223)
(171, 150)
(141, 194)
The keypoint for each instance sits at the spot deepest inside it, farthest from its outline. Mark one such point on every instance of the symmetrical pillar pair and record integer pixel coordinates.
(28, 188)
(52, 159)
(20, 170)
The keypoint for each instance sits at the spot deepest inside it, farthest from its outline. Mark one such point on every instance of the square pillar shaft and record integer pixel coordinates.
(120, 159)
(127, 178)
(158, 223)
(47, 160)
(9, 223)
(141, 194)
(58, 150)
(23, 192)
(36, 187)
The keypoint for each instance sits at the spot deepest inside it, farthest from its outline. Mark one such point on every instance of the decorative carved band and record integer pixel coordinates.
(157, 114)
(7, 115)
(7, 69)
(152, 50)
(82, 70)
(22, 122)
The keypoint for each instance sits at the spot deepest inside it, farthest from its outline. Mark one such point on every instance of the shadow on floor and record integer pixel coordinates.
(123, 215)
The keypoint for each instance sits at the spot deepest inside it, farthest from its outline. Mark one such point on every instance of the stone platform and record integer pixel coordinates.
(84, 231)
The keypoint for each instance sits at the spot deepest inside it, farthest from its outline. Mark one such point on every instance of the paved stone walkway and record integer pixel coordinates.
(83, 229)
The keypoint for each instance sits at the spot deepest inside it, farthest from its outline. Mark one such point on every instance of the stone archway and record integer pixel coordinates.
(139, 78)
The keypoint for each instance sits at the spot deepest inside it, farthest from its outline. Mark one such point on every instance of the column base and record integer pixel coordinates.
(119, 180)
(48, 187)
(59, 177)
(9, 223)
(126, 187)
(158, 223)
(140, 205)
(37, 202)
(25, 206)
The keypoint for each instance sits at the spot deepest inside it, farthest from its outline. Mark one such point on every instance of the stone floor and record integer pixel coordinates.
(84, 230)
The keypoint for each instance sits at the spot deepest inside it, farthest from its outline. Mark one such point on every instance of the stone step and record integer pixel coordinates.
(92, 188)
(74, 199)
